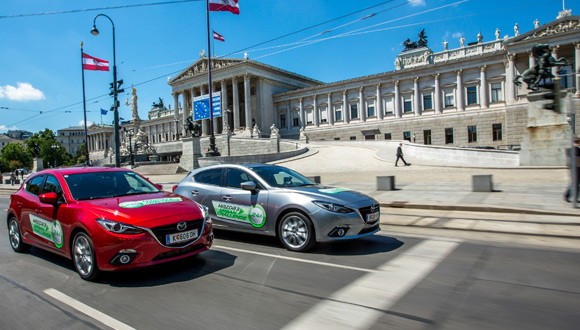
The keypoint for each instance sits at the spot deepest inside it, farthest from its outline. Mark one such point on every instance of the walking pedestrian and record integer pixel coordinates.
(569, 192)
(12, 177)
(400, 155)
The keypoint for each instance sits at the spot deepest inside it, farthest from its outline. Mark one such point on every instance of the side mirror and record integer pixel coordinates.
(159, 186)
(249, 185)
(48, 198)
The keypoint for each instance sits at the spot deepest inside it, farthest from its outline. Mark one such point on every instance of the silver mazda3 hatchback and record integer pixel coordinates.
(277, 201)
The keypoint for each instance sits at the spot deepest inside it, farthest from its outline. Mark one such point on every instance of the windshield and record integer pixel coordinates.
(107, 184)
(277, 176)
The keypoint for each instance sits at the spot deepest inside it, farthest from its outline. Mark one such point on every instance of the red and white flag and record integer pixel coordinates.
(93, 63)
(225, 5)
(218, 36)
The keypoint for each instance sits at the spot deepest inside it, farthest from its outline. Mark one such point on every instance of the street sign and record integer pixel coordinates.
(201, 106)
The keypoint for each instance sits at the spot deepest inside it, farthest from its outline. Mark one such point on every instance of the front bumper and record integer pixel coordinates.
(330, 226)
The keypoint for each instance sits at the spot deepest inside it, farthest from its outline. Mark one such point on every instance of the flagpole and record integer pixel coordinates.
(213, 42)
(85, 109)
(212, 147)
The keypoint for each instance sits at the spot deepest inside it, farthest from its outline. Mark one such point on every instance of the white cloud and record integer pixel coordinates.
(417, 3)
(457, 35)
(82, 123)
(24, 92)
(4, 128)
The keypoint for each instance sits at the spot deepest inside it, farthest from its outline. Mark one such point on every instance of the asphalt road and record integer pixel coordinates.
(386, 281)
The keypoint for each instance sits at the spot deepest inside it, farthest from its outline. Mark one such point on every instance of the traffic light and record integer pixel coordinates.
(119, 89)
(112, 88)
(553, 93)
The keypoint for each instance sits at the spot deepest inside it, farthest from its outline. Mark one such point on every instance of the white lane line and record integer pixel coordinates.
(360, 304)
(295, 259)
(95, 314)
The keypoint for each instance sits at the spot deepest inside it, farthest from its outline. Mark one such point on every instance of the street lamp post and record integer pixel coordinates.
(95, 32)
(131, 156)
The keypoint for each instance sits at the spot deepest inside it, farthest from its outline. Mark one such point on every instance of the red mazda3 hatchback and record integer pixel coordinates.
(105, 219)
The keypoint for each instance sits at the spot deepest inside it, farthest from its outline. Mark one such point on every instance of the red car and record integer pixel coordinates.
(105, 219)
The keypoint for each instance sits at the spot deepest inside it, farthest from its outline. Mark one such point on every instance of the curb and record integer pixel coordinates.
(478, 208)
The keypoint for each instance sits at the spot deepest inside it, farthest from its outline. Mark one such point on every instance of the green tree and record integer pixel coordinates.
(14, 154)
(44, 144)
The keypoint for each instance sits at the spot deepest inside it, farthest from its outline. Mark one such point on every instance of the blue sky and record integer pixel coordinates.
(40, 66)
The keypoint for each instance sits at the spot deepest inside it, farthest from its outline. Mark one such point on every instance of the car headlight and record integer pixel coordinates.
(205, 212)
(119, 227)
(333, 207)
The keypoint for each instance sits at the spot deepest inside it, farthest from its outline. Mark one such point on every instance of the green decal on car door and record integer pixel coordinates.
(255, 214)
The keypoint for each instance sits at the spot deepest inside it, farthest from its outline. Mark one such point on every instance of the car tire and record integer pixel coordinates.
(84, 258)
(15, 236)
(296, 232)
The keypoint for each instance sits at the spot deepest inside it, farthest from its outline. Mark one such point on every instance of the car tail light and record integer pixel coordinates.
(174, 187)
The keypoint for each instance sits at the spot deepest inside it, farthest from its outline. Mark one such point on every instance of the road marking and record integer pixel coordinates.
(360, 304)
(366, 270)
(95, 314)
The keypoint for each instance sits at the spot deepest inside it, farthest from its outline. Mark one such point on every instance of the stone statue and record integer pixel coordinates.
(133, 104)
(517, 30)
(422, 42)
(256, 131)
(445, 45)
(192, 127)
(479, 37)
(542, 69)
(462, 41)
(202, 53)
(496, 34)
(159, 105)
(246, 56)
(274, 132)
(536, 24)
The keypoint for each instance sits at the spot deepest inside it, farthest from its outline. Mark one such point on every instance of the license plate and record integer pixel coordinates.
(181, 237)
(373, 217)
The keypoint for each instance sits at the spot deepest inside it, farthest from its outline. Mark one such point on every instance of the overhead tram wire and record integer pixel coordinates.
(97, 9)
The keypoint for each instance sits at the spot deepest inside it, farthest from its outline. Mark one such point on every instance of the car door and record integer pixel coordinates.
(48, 221)
(239, 208)
(28, 203)
(205, 187)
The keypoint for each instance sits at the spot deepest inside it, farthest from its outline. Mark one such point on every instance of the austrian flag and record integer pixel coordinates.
(225, 5)
(218, 36)
(93, 63)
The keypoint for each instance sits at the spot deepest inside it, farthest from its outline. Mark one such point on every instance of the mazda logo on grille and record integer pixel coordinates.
(374, 208)
(181, 226)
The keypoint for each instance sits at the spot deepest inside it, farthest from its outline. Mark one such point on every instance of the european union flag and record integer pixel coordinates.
(201, 109)
(103, 111)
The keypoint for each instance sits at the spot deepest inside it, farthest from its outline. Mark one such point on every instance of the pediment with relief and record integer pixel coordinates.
(561, 27)
(201, 67)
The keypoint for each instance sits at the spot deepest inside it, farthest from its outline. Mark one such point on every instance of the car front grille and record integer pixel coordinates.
(369, 229)
(364, 211)
(161, 231)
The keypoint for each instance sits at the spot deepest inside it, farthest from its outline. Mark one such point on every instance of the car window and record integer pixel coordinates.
(277, 176)
(33, 185)
(51, 185)
(236, 177)
(94, 185)
(213, 177)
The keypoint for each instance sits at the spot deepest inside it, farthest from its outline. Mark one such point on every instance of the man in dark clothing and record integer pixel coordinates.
(400, 155)
(569, 192)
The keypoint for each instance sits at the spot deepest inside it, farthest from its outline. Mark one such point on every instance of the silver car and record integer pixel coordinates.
(276, 201)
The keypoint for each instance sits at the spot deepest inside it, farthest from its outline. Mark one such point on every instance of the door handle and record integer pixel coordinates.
(227, 198)
(195, 192)
(19, 204)
(37, 211)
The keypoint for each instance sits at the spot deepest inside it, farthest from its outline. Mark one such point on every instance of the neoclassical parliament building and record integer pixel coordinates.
(462, 97)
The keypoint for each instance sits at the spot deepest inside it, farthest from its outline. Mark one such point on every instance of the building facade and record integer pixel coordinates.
(71, 138)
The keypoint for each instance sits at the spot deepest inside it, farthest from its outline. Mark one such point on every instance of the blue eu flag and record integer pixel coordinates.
(103, 111)
(201, 109)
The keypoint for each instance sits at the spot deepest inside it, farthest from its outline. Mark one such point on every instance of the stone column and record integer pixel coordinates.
(417, 96)
(438, 107)
(185, 97)
(224, 91)
(577, 65)
(361, 102)
(532, 59)
(379, 105)
(315, 110)
(460, 99)
(330, 110)
(510, 86)
(302, 119)
(397, 100)
(346, 110)
(236, 99)
(247, 103)
(288, 118)
(175, 114)
(555, 70)
(484, 103)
